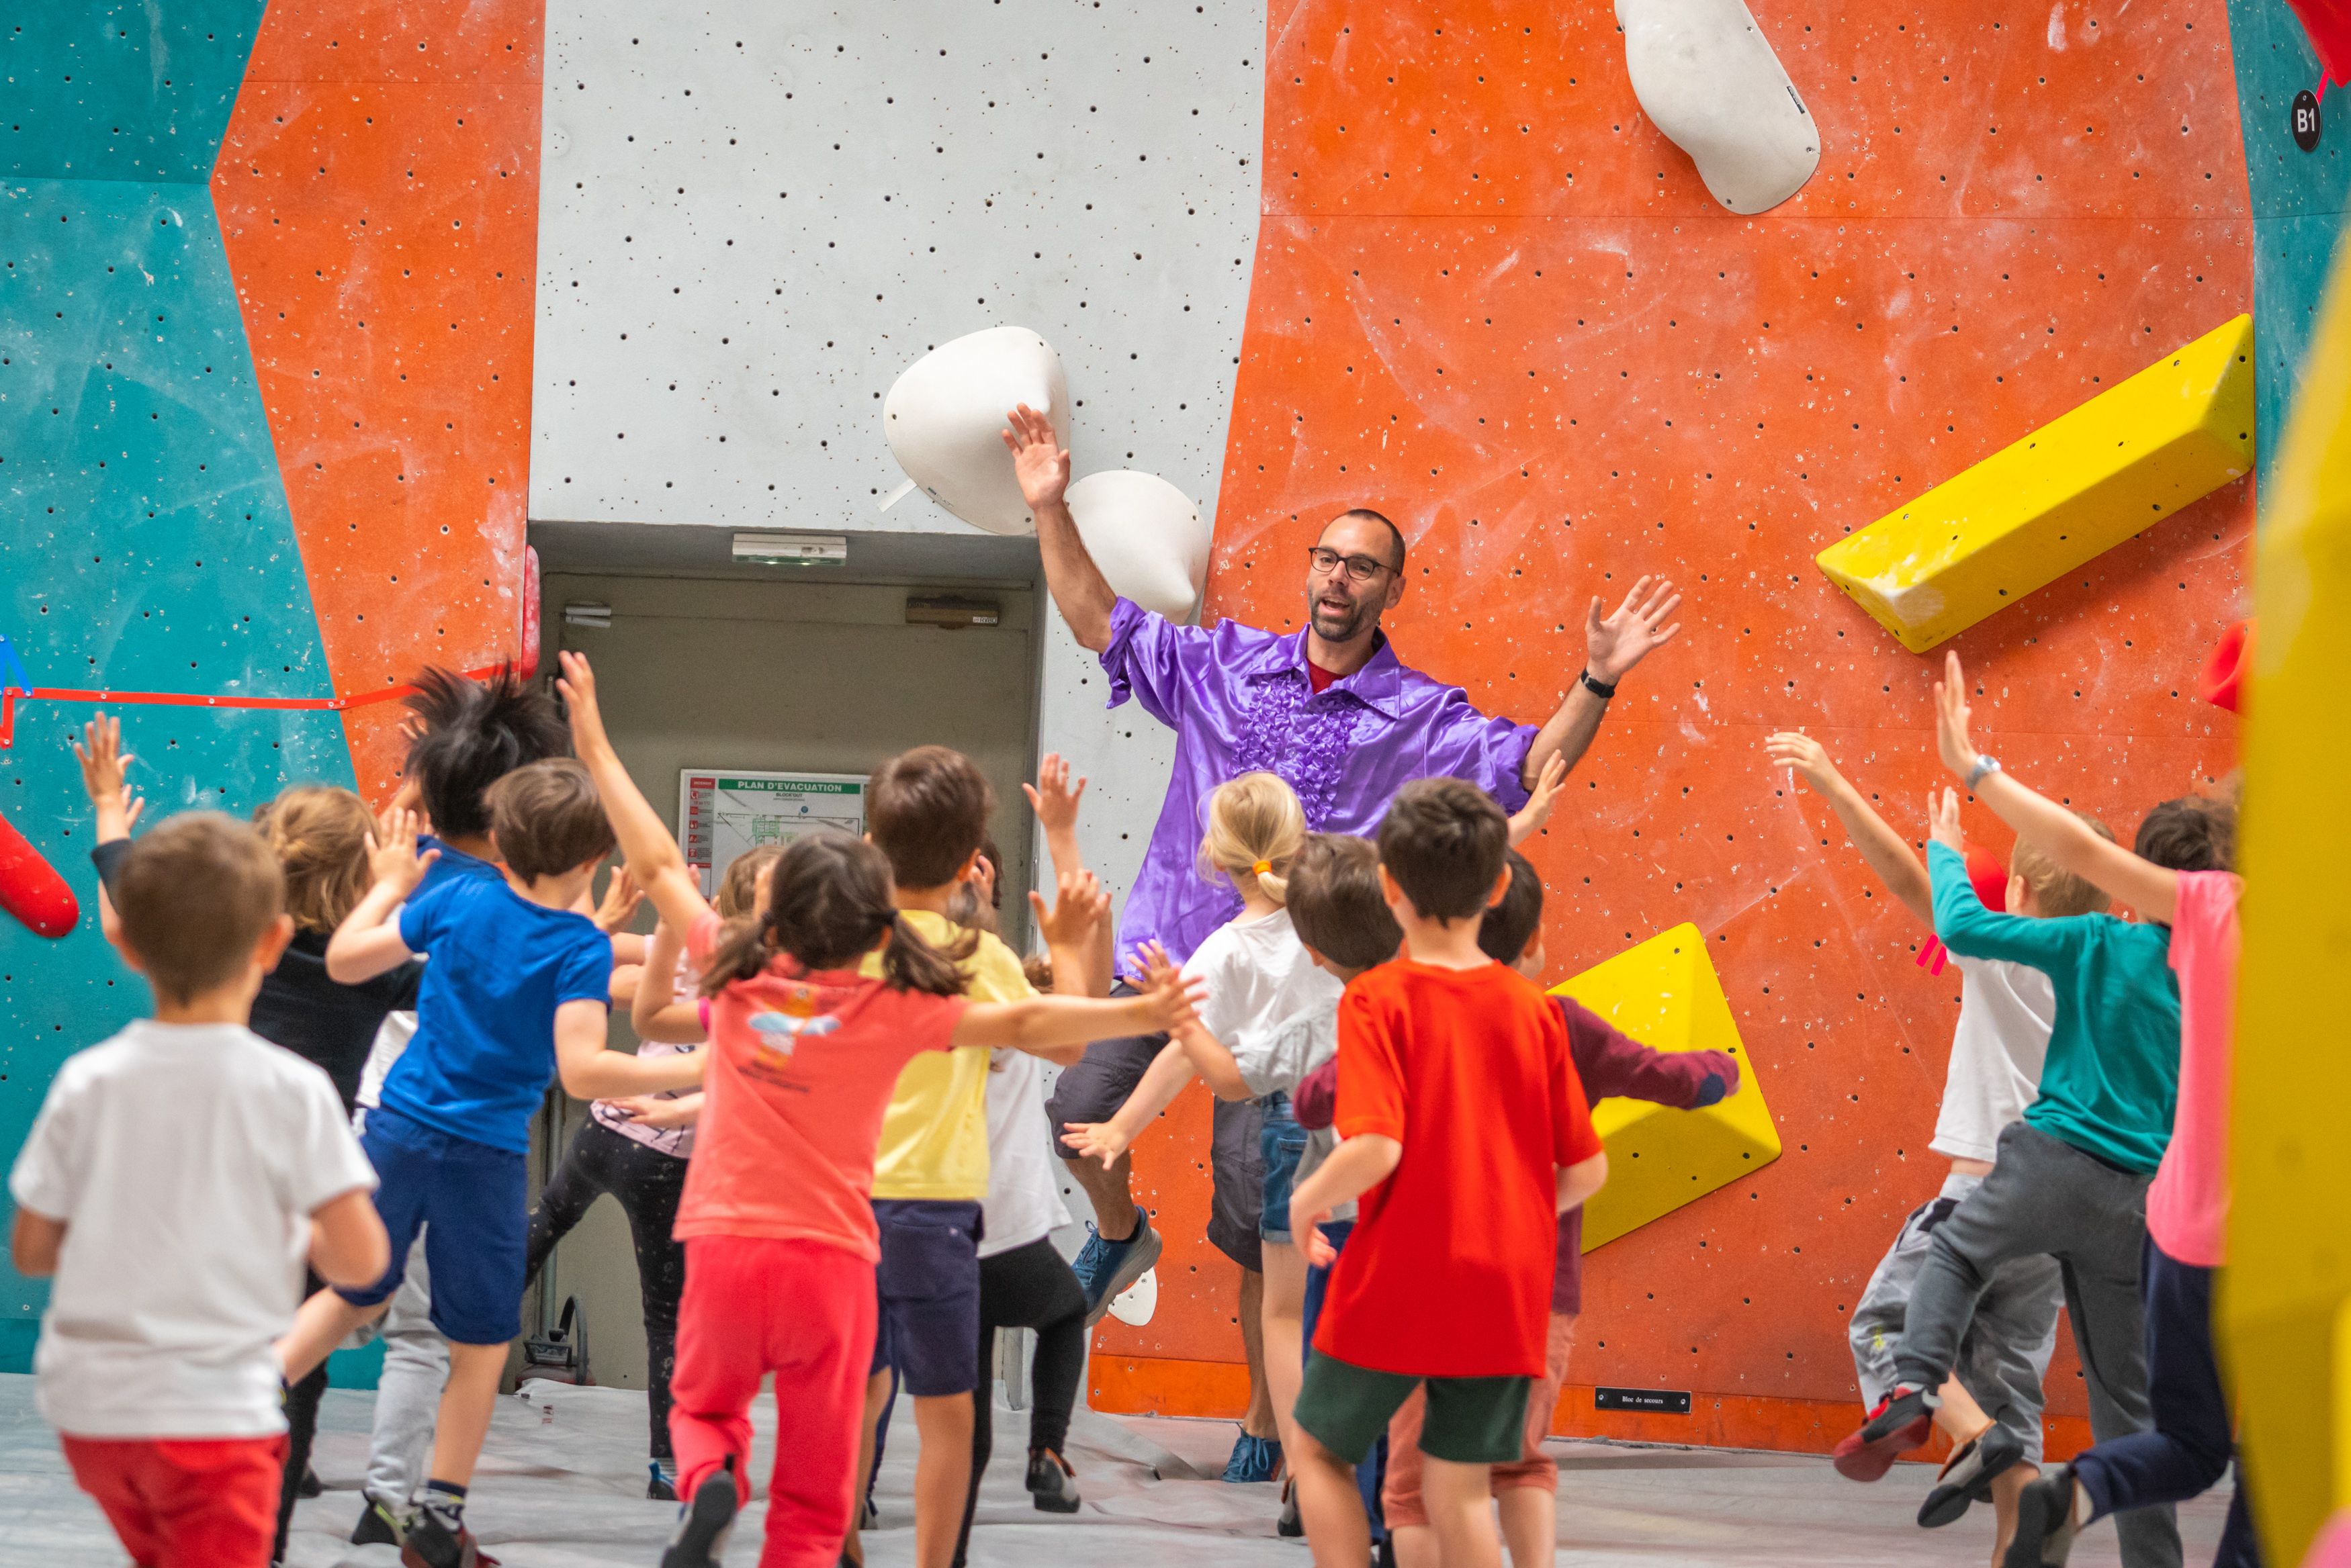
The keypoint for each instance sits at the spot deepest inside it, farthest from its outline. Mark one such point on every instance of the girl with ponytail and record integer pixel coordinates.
(1257, 976)
(805, 1051)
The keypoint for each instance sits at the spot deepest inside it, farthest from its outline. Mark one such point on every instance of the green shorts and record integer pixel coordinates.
(1470, 1421)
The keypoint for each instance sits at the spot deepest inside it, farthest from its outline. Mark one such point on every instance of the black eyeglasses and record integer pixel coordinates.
(1360, 568)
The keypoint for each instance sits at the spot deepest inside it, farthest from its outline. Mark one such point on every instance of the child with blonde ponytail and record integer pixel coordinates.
(1257, 976)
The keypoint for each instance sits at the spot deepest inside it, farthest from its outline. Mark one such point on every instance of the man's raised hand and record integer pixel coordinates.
(1614, 643)
(1039, 460)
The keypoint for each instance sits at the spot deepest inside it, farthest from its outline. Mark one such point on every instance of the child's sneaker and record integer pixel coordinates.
(379, 1523)
(1254, 1459)
(2045, 1530)
(660, 1485)
(1968, 1475)
(432, 1544)
(1105, 1267)
(708, 1520)
(1900, 1423)
(1049, 1482)
(1293, 1523)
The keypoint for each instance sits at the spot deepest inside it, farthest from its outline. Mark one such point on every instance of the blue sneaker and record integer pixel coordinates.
(1105, 1267)
(1254, 1459)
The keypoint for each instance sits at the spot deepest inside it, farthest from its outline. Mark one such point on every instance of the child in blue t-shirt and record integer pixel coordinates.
(516, 994)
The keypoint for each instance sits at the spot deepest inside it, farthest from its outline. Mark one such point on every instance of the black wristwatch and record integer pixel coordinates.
(1595, 687)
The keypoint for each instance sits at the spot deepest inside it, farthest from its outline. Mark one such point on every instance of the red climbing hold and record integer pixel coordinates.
(30, 887)
(2224, 681)
(2328, 23)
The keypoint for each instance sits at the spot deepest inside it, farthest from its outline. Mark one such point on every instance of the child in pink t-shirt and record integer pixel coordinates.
(2186, 1207)
(777, 1218)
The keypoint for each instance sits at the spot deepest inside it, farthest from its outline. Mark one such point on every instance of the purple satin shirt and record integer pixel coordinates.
(1239, 701)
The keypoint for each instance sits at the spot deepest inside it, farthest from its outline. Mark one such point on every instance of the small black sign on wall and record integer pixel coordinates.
(2306, 124)
(1657, 1401)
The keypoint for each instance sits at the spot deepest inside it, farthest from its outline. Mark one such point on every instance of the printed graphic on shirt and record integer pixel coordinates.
(780, 1028)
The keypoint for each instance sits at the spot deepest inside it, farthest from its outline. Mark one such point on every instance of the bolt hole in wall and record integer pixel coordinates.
(768, 674)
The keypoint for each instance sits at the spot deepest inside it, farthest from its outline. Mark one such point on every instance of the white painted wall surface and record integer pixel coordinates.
(755, 215)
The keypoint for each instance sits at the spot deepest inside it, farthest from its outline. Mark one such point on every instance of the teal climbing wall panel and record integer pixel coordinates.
(147, 544)
(2299, 198)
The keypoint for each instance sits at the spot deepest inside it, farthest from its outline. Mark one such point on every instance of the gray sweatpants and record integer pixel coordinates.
(408, 1393)
(2003, 1355)
(2043, 1196)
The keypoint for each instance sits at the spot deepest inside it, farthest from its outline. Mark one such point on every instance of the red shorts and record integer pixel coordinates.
(185, 1502)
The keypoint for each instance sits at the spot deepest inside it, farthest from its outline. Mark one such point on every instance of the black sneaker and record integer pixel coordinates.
(1968, 1475)
(708, 1520)
(432, 1544)
(1291, 1524)
(379, 1523)
(310, 1486)
(1049, 1482)
(2045, 1530)
(658, 1487)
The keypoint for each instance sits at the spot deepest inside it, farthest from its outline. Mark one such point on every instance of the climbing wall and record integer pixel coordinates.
(255, 409)
(1490, 300)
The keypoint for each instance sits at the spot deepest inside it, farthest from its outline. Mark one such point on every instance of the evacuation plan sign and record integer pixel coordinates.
(720, 814)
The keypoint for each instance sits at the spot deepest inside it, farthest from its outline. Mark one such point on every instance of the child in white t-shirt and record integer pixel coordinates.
(1992, 1408)
(1259, 975)
(174, 1183)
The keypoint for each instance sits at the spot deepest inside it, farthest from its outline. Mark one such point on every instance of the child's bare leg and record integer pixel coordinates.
(321, 1323)
(1284, 1332)
(877, 1394)
(1415, 1545)
(942, 1475)
(1259, 1421)
(1529, 1525)
(2005, 1489)
(1459, 1502)
(466, 1401)
(1958, 1417)
(1336, 1527)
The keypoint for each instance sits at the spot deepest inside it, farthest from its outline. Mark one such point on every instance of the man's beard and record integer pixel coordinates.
(1340, 626)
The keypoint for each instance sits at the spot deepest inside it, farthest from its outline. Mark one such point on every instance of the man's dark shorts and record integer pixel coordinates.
(1093, 1089)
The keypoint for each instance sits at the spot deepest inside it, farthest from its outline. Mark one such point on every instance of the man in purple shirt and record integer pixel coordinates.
(1334, 712)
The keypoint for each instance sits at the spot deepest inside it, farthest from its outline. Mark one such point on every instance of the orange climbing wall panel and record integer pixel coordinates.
(1491, 301)
(379, 193)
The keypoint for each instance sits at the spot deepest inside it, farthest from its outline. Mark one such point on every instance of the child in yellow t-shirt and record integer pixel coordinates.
(927, 811)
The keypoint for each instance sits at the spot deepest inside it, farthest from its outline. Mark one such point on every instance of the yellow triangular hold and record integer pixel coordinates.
(1664, 994)
(2075, 488)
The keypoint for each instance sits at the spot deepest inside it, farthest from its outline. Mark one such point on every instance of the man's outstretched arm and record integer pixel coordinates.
(1613, 646)
(1079, 589)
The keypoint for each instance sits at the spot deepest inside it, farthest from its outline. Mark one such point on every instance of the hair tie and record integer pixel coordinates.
(1263, 868)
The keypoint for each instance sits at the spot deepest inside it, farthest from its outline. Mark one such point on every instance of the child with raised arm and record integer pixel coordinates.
(777, 1219)
(2179, 879)
(2072, 1176)
(174, 1183)
(1258, 975)
(1991, 1409)
(515, 996)
(1609, 1063)
(1465, 1135)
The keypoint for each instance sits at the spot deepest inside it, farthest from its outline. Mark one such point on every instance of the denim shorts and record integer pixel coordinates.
(1283, 1144)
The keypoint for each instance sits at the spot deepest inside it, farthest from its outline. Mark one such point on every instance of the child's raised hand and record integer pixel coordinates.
(1170, 996)
(1053, 797)
(622, 897)
(1078, 905)
(392, 851)
(1095, 1140)
(577, 685)
(1540, 801)
(1943, 817)
(99, 752)
(1958, 753)
(1802, 755)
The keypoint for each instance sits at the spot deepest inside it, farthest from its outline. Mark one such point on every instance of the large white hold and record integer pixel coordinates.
(1147, 537)
(944, 418)
(1707, 77)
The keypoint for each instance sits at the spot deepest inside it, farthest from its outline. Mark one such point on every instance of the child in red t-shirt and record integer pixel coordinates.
(1466, 1135)
(780, 1240)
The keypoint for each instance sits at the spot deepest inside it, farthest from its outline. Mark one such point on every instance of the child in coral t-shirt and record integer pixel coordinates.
(1465, 1135)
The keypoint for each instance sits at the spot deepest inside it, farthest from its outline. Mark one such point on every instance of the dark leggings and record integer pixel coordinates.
(1027, 1287)
(647, 1184)
(302, 1432)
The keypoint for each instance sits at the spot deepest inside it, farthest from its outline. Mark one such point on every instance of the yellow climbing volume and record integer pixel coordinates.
(1664, 994)
(2076, 487)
